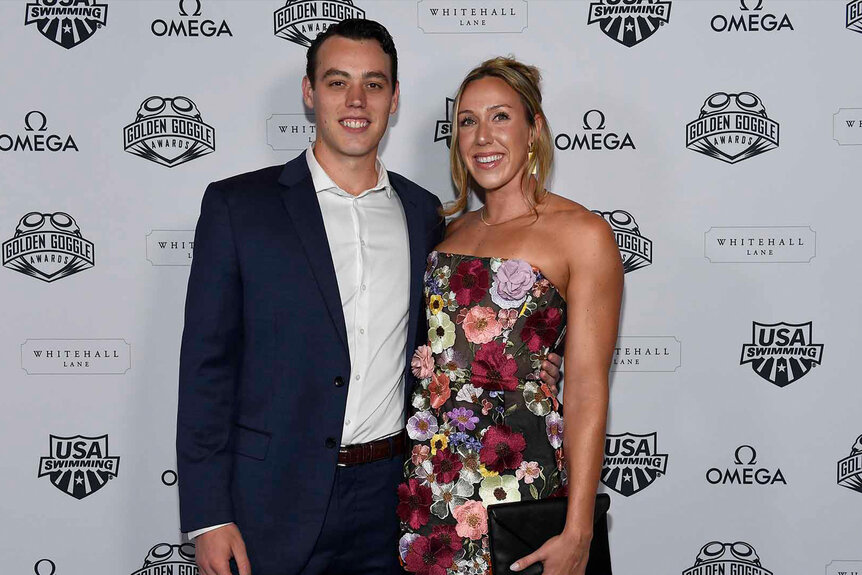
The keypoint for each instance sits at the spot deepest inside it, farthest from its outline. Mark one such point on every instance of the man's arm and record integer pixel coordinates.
(209, 369)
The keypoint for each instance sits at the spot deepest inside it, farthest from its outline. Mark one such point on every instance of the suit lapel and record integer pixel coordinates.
(300, 201)
(418, 251)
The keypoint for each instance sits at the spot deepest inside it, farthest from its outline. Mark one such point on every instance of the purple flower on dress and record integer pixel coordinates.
(463, 418)
(404, 544)
(422, 426)
(512, 283)
(554, 427)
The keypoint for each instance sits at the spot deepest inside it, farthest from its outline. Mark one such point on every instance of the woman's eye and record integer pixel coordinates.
(501, 116)
(467, 122)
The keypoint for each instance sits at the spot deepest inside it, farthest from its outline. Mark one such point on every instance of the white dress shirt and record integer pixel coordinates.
(368, 239)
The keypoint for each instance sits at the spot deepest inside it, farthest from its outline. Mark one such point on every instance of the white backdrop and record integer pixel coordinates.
(689, 309)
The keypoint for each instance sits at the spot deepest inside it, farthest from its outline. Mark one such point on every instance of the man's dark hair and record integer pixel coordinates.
(353, 29)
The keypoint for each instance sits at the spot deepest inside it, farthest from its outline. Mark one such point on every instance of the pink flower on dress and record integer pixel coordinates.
(481, 325)
(472, 520)
(420, 454)
(422, 362)
(507, 318)
(528, 472)
(439, 388)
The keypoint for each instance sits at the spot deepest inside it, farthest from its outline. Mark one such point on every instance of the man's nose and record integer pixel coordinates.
(356, 97)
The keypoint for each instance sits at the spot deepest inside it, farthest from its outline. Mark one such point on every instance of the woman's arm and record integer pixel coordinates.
(593, 297)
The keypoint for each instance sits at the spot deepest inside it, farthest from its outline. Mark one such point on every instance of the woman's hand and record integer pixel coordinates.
(550, 373)
(565, 554)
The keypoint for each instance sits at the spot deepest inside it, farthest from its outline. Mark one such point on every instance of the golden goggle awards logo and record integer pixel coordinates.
(718, 557)
(48, 246)
(169, 131)
(635, 249)
(300, 21)
(66, 22)
(629, 22)
(166, 558)
(854, 15)
(850, 468)
(732, 128)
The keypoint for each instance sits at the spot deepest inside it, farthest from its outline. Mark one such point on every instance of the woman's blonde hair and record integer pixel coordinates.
(525, 80)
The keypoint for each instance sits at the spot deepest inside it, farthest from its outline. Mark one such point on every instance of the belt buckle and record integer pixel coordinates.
(340, 451)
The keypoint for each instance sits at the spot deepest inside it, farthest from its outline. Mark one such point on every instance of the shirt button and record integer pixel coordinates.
(362, 330)
(330, 442)
(346, 422)
(364, 287)
(357, 377)
(362, 243)
(339, 381)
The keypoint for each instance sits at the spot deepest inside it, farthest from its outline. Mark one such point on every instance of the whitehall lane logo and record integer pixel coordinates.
(629, 22)
(632, 462)
(472, 16)
(741, 244)
(745, 471)
(48, 246)
(717, 557)
(844, 568)
(166, 558)
(170, 247)
(850, 468)
(647, 353)
(290, 131)
(854, 15)
(67, 22)
(79, 466)
(189, 25)
(782, 353)
(732, 128)
(635, 249)
(846, 126)
(443, 129)
(76, 356)
(594, 136)
(751, 18)
(300, 21)
(169, 132)
(37, 137)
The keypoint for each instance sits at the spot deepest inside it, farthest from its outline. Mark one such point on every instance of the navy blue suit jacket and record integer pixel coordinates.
(260, 416)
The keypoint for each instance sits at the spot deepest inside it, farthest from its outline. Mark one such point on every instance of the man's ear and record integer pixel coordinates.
(307, 93)
(393, 107)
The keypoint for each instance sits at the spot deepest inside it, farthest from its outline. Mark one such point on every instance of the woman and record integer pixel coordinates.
(504, 286)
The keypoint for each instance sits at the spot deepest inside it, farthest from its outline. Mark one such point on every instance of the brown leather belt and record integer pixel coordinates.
(372, 451)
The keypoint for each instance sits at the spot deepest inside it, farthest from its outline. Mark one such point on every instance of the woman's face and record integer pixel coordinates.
(493, 133)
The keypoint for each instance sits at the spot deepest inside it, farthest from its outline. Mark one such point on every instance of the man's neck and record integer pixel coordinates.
(353, 174)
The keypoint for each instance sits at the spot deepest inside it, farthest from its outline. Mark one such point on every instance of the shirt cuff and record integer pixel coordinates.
(196, 532)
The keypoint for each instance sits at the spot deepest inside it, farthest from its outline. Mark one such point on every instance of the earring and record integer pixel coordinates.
(530, 159)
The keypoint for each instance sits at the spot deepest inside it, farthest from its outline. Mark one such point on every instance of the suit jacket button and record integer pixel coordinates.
(339, 381)
(330, 442)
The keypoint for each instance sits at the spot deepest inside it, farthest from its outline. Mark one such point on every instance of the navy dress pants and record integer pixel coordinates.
(361, 529)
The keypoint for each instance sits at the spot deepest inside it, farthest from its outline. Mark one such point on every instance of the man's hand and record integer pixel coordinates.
(550, 373)
(214, 549)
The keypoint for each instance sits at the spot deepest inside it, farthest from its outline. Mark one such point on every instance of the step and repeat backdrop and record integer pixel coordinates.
(721, 139)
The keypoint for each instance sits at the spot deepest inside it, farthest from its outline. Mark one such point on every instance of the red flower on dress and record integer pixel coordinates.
(494, 369)
(541, 328)
(447, 535)
(470, 282)
(429, 556)
(439, 388)
(414, 503)
(447, 466)
(502, 448)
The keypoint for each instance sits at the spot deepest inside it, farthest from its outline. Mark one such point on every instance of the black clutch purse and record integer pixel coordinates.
(517, 529)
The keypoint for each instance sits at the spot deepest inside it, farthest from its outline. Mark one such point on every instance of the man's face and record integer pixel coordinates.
(352, 96)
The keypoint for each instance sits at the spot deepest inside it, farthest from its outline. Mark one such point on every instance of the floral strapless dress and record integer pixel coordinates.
(484, 429)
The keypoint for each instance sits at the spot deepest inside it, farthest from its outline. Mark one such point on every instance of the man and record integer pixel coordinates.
(303, 309)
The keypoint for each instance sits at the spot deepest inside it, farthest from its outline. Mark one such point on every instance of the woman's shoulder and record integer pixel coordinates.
(576, 228)
(458, 222)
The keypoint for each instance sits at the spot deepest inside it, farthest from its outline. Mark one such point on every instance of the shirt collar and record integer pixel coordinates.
(323, 183)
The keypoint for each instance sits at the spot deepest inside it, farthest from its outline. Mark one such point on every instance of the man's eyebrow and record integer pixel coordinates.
(335, 72)
(375, 74)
